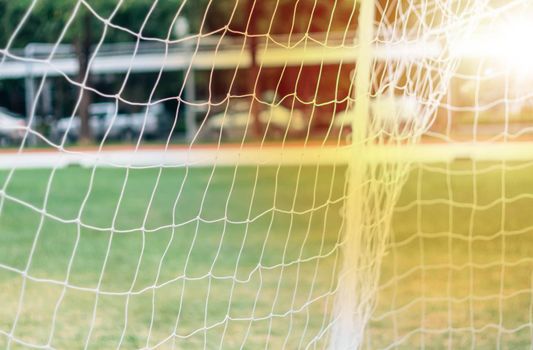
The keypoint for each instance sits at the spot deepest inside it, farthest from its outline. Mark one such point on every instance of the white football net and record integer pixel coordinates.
(317, 201)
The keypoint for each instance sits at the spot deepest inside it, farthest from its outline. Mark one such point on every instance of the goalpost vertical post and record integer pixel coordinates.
(349, 315)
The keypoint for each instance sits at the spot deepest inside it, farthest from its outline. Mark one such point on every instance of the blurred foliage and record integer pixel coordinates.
(47, 21)
(25, 21)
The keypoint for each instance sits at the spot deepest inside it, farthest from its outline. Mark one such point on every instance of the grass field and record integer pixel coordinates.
(469, 225)
(217, 231)
(142, 265)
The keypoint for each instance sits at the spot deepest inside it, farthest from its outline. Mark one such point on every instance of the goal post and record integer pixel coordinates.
(351, 309)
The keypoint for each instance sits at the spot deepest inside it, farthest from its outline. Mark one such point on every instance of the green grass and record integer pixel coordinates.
(231, 216)
(476, 290)
(225, 228)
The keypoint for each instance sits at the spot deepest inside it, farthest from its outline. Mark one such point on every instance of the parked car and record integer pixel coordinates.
(12, 127)
(388, 113)
(104, 119)
(274, 120)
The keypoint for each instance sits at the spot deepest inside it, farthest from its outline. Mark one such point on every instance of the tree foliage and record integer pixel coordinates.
(44, 20)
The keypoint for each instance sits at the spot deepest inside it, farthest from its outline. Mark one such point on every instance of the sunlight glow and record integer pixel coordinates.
(508, 42)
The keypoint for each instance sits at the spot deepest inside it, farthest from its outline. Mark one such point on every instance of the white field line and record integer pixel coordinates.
(268, 156)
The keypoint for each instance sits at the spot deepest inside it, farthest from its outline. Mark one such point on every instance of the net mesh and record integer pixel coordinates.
(319, 200)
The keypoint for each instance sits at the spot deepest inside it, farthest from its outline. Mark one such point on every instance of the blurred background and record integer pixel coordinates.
(204, 71)
(170, 67)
